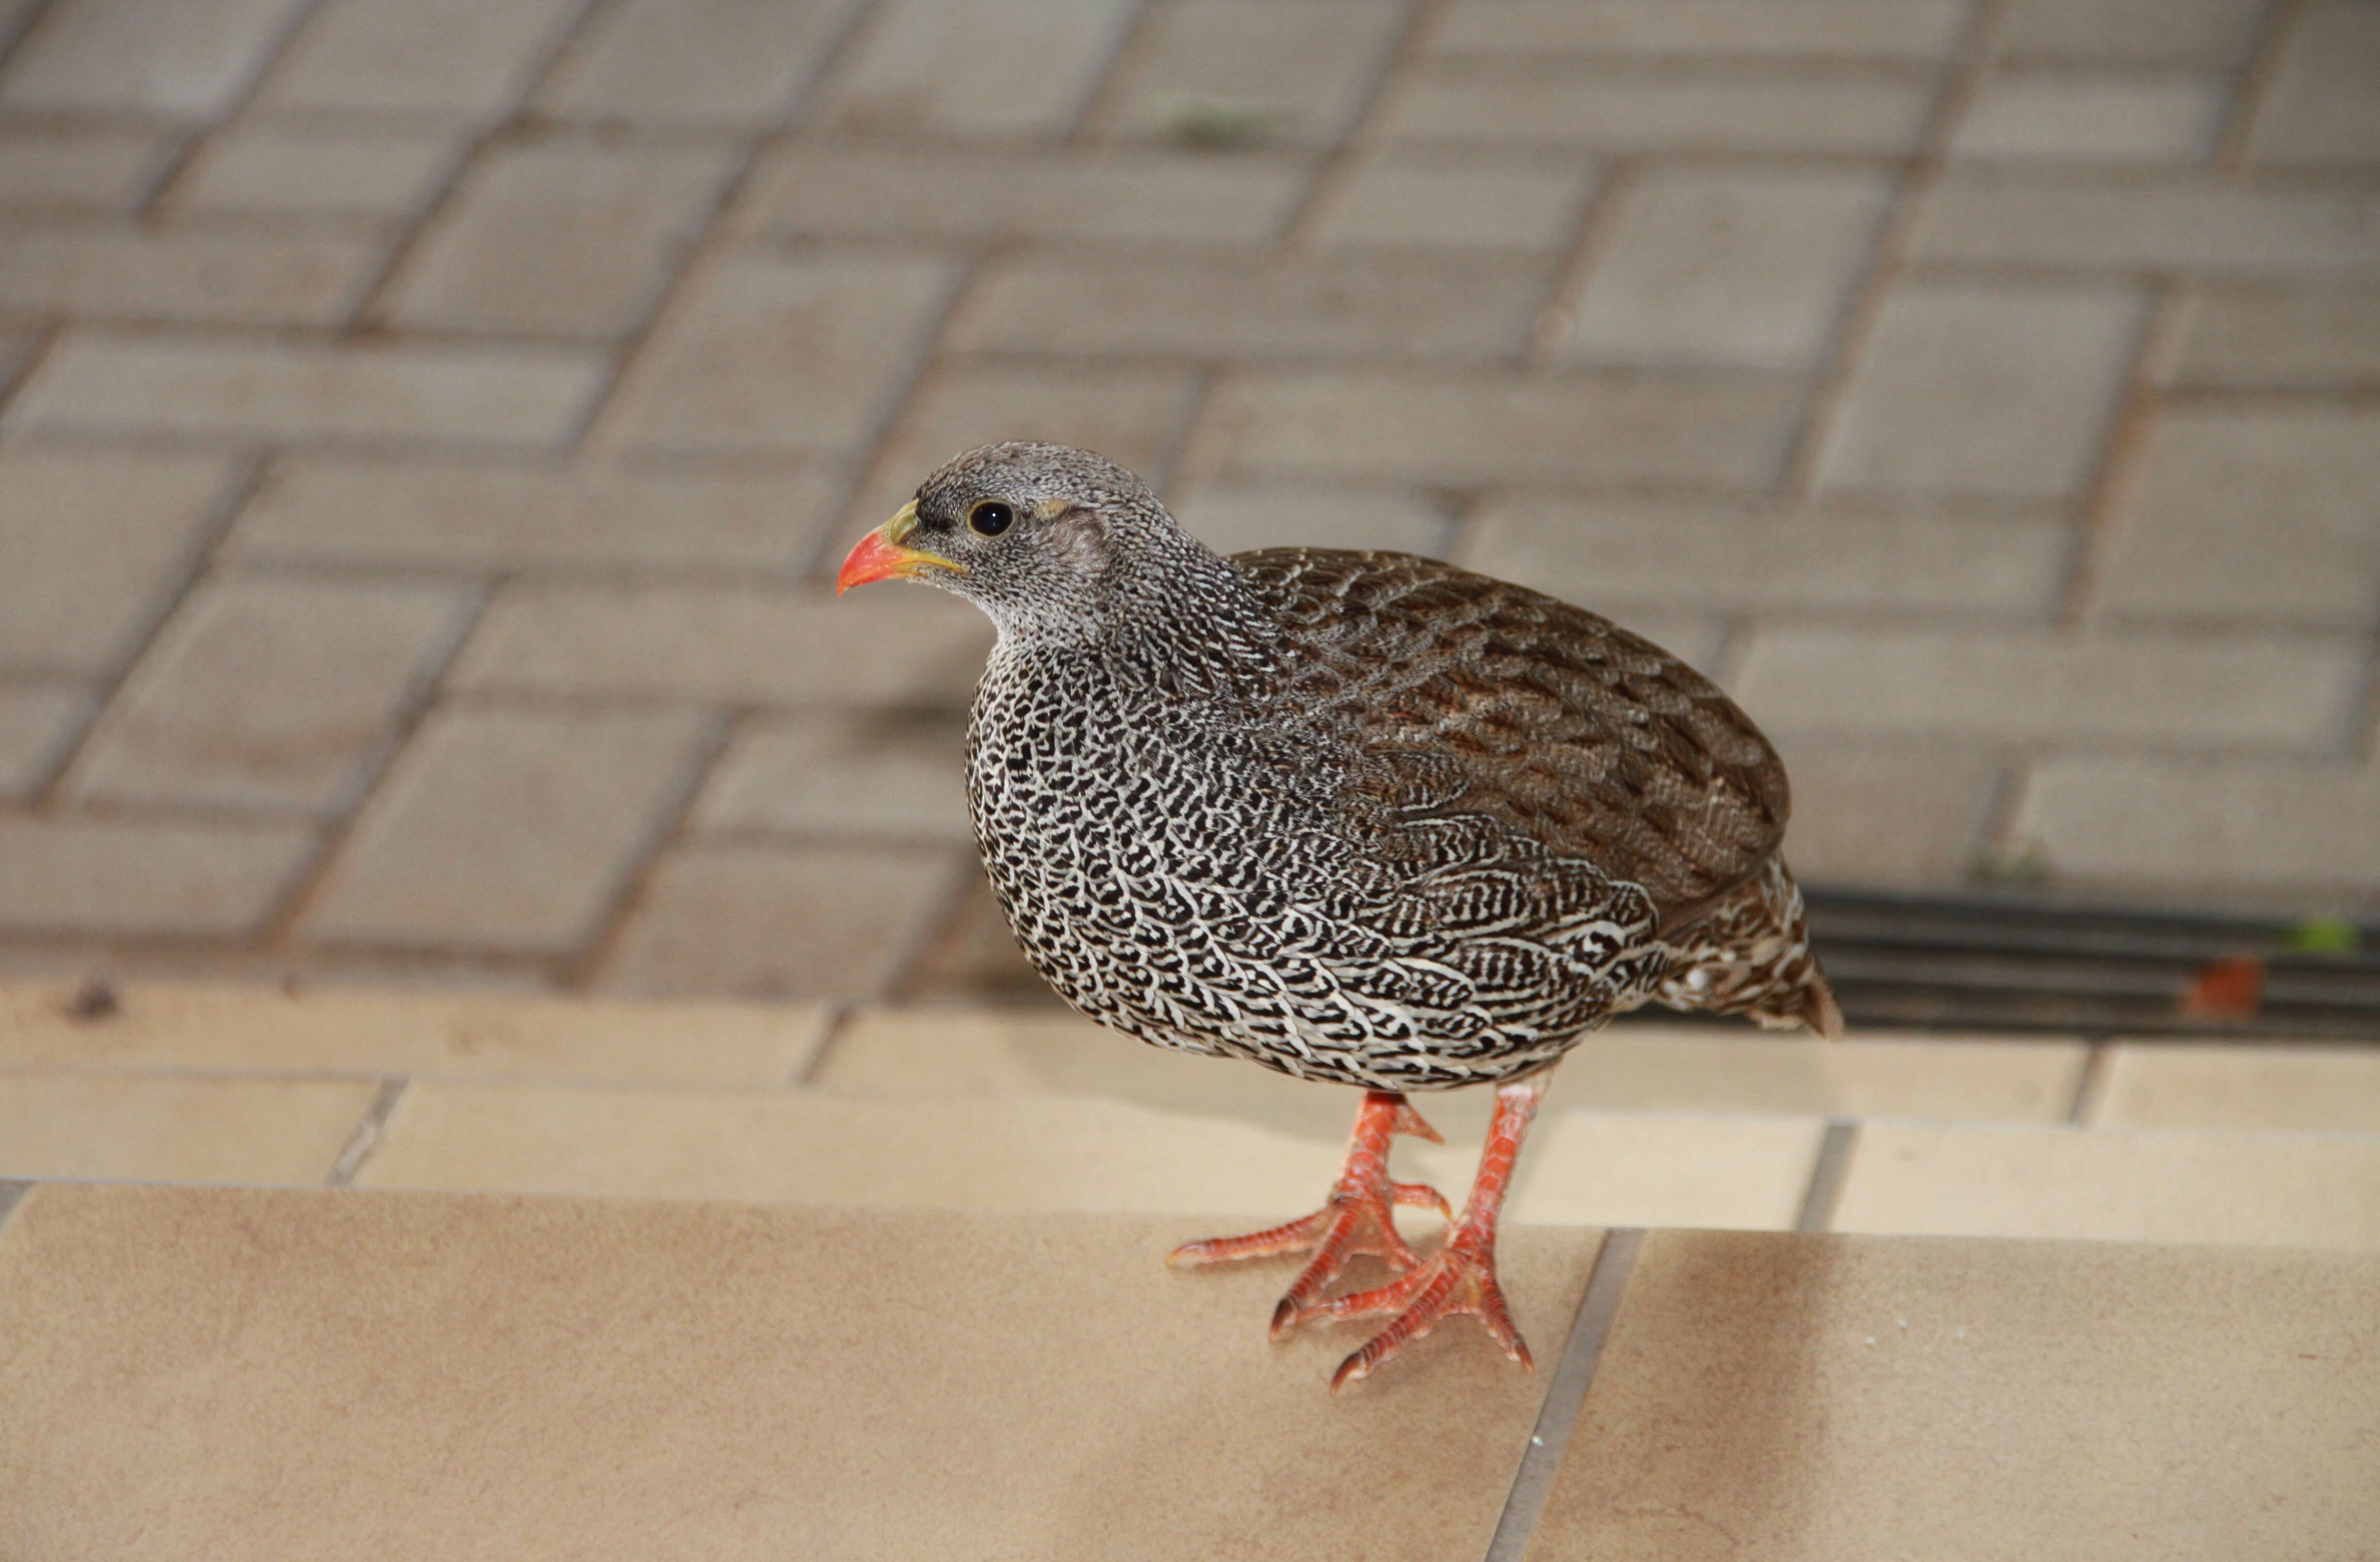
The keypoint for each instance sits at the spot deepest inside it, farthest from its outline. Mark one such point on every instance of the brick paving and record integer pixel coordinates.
(426, 426)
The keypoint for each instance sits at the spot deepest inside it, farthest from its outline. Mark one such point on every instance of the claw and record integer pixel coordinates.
(1461, 1278)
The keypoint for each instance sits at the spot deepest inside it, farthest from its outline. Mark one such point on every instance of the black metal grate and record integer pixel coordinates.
(1985, 961)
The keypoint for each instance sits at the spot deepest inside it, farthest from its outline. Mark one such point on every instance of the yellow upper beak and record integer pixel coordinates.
(880, 557)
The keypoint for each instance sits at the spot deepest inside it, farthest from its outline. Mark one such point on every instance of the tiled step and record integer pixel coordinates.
(959, 1109)
(227, 1374)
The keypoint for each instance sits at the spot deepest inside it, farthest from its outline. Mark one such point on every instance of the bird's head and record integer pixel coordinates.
(1048, 540)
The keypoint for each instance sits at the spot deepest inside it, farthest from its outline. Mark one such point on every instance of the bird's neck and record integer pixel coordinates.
(1176, 621)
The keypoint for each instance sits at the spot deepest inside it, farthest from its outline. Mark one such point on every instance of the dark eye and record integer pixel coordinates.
(992, 518)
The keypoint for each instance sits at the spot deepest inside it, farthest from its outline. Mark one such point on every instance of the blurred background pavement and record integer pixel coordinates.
(426, 427)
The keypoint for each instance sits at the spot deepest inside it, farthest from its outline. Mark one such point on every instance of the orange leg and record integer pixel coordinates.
(1356, 1220)
(1461, 1276)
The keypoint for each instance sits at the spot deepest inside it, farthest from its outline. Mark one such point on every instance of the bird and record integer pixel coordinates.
(1359, 817)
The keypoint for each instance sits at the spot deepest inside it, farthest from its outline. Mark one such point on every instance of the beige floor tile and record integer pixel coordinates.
(563, 238)
(1609, 1169)
(510, 829)
(716, 1382)
(2013, 215)
(2213, 32)
(1293, 73)
(2069, 116)
(593, 518)
(911, 190)
(1455, 203)
(1235, 518)
(70, 874)
(202, 277)
(34, 720)
(383, 170)
(892, 776)
(2320, 107)
(2314, 339)
(486, 1036)
(84, 170)
(175, 1129)
(1017, 1153)
(2168, 825)
(94, 382)
(167, 56)
(1725, 268)
(1914, 30)
(1626, 1067)
(268, 692)
(817, 920)
(2143, 1185)
(2288, 1088)
(1605, 110)
(1814, 1400)
(923, 64)
(1887, 811)
(729, 62)
(420, 57)
(94, 541)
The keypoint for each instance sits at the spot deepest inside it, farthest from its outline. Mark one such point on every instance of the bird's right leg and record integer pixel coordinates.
(1357, 1220)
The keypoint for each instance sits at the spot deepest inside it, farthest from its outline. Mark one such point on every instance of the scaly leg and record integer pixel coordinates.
(1459, 1277)
(1356, 1220)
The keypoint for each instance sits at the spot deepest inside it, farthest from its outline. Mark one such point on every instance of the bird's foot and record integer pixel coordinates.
(1460, 1277)
(1356, 1222)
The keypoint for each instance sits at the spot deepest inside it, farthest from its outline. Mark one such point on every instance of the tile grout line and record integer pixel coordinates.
(1565, 1394)
(1828, 1175)
(367, 1136)
(2091, 1085)
(12, 1193)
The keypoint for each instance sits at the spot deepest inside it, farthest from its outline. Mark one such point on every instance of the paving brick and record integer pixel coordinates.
(1373, 307)
(170, 1130)
(2320, 338)
(2320, 106)
(1604, 1168)
(593, 517)
(2262, 515)
(381, 170)
(2246, 1190)
(255, 1028)
(184, 276)
(1467, 426)
(34, 720)
(167, 57)
(2213, 32)
(720, 62)
(2285, 1089)
(1635, 1066)
(897, 776)
(1909, 30)
(1886, 812)
(561, 237)
(1737, 269)
(420, 56)
(2188, 690)
(796, 354)
(504, 829)
(855, 190)
(1233, 518)
(1605, 110)
(81, 876)
(267, 692)
(1298, 72)
(1998, 390)
(1129, 414)
(896, 644)
(1747, 556)
(2177, 222)
(2076, 117)
(93, 543)
(100, 170)
(2147, 822)
(972, 959)
(239, 391)
(975, 68)
(819, 921)
(1462, 204)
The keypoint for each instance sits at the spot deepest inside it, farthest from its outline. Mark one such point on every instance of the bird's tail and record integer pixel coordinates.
(1751, 956)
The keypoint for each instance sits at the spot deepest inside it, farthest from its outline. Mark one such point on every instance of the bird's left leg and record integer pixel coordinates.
(1461, 1276)
(1356, 1220)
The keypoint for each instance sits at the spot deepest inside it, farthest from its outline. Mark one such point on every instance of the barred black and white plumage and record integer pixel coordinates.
(1361, 817)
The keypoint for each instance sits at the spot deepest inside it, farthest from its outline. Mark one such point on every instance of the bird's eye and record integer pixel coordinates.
(992, 518)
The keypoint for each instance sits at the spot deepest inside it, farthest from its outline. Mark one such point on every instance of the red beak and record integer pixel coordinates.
(880, 557)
